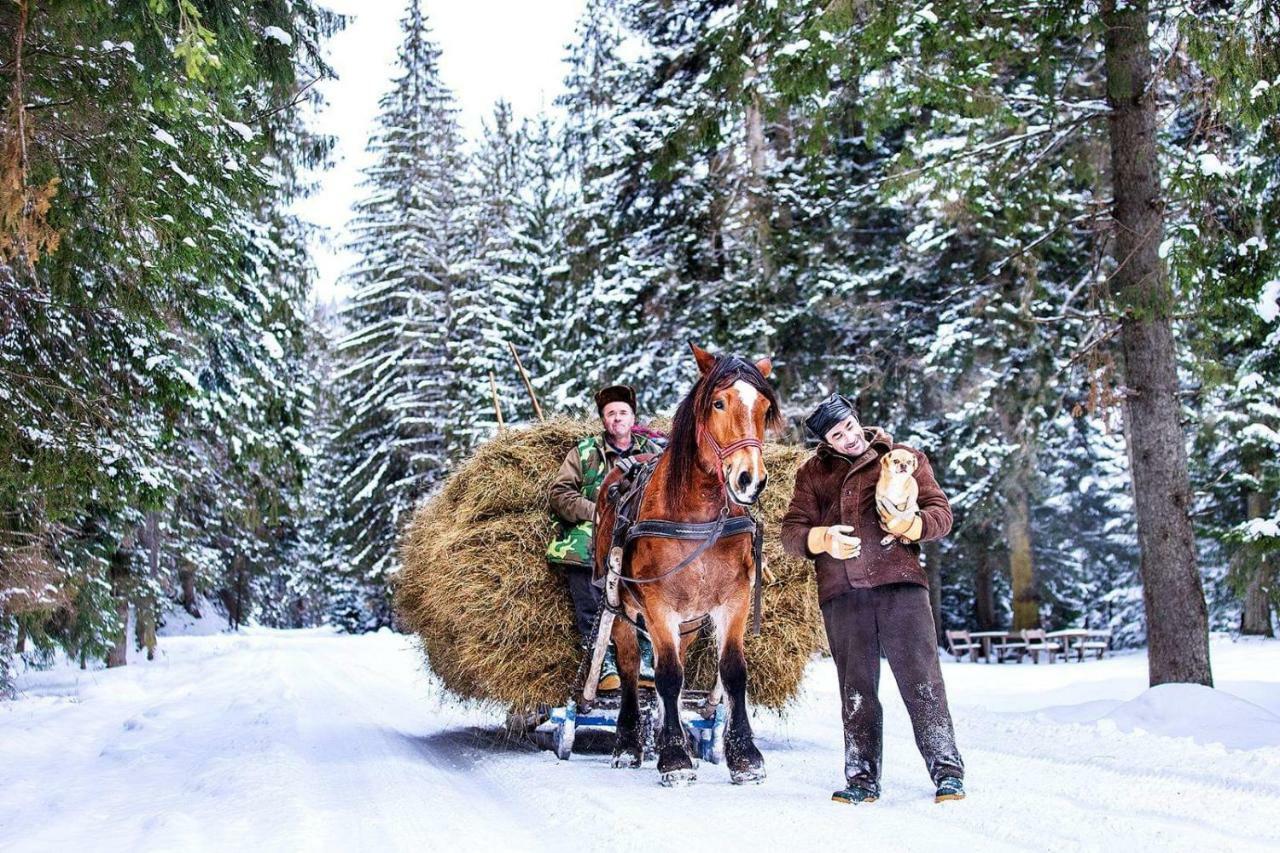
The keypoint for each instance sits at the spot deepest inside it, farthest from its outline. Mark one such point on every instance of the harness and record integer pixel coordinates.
(626, 496)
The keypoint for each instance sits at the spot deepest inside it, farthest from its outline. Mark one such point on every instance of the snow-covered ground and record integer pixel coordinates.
(307, 740)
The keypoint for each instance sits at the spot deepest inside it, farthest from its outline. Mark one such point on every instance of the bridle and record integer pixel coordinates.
(723, 452)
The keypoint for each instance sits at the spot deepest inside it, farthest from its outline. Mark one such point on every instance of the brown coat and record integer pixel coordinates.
(834, 489)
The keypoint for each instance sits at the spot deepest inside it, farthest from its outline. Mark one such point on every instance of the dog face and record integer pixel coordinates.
(897, 462)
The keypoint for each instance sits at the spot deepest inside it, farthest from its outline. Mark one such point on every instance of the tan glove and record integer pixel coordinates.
(908, 527)
(836, 540)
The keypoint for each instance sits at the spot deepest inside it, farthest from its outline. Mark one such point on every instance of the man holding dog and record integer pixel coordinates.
(573, 495)
(874, 598)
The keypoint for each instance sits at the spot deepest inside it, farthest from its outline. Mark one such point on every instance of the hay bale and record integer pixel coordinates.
(495, 619)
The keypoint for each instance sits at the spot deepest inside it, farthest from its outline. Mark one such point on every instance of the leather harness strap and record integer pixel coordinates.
(625, 531)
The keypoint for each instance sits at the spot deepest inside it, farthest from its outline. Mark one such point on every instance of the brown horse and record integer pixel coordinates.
(713, 469)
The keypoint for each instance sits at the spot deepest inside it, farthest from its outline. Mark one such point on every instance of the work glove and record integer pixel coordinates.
(908, 526)
(837, 540)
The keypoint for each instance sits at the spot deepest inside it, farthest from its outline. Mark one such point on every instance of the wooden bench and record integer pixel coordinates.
(959, 644)
(1097, 642)
(1037, 644)
(1009, 649)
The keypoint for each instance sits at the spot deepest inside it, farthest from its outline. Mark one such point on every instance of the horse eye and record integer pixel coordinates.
(719, 404)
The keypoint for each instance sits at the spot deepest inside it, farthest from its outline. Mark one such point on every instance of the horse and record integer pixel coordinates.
(712, 471)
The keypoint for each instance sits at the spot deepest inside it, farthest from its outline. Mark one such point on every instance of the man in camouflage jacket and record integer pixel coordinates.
(572, 495)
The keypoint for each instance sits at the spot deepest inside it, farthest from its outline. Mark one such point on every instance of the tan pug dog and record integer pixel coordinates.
(897, 490)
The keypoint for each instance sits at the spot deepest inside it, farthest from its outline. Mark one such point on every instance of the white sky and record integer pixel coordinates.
(491, 49)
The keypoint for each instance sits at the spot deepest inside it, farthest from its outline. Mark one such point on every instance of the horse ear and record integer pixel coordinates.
(765, 366)
(705, 360)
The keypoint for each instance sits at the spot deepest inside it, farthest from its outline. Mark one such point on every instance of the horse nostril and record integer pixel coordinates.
(744, 480)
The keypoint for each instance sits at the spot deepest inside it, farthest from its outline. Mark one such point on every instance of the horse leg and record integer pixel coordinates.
(675, 764)
(687, 640)
(746, 764)
(628, 750)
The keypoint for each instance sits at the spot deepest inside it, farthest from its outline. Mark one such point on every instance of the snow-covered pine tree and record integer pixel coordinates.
(170, 139)
(597, 79)
(1224, 150)
(681, 200)
(494, 300)
(1086, 544)
(300, 591)
(556, 355)
(396, 380)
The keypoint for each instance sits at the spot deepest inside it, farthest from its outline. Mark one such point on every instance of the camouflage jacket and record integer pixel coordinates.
(573, 492)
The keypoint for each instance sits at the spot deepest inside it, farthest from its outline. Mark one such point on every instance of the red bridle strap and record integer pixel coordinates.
(722, 452)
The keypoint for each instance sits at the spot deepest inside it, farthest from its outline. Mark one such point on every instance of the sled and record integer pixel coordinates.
(704, 723)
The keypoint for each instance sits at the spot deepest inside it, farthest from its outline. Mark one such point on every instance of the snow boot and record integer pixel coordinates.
(853, 795)
(609, 679)
(949, 788)
(646, 661)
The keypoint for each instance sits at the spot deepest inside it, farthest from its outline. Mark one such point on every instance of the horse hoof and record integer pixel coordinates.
(678, 778)
(626, 761)
(747, 776)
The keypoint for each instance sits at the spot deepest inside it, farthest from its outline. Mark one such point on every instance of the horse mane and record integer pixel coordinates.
(682, 448)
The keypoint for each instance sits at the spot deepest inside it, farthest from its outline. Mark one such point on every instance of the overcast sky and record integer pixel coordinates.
(491, 49)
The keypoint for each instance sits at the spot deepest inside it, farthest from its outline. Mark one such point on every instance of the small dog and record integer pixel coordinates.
(897, 488)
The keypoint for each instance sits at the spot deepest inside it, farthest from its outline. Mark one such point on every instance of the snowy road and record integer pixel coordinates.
(305, 740)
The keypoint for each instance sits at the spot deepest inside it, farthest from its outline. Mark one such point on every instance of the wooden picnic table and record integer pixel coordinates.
(1080, 636)
(1066, 635)
(985, 637)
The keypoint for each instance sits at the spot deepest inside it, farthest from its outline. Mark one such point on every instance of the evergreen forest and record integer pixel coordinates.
(1038, 241)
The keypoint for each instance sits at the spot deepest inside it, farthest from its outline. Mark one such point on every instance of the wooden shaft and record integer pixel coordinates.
(497, 407)
(537, 409)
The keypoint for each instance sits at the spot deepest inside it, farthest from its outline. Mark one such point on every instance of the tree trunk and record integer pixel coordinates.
(1255, 620)
(118, 654)
(144, 628)
(234, 598)
(758, 203)
(1022, 570)
(1177, 618)
(144, 618)
(933, 570)
(984, 596)
(187, 577)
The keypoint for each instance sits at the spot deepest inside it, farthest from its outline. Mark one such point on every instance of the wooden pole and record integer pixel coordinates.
(537, 408)
(497, 407)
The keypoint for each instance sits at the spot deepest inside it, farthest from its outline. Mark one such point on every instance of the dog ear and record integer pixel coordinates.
(885, 460)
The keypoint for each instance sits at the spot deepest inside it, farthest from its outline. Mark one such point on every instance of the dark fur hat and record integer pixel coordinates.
(830, 412)
(616, 394)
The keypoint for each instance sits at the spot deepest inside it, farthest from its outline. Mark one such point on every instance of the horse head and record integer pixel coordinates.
(729, 410)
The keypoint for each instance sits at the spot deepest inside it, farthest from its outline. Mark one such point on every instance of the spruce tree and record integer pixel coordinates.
(145, 257)
(493, 301)
(396, 377)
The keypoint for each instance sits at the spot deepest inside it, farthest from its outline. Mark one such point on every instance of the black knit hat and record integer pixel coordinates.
(616, 394)
(830, 412)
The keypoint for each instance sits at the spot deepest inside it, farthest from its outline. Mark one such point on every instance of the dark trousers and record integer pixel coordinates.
(586, 599)
(895, 619)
